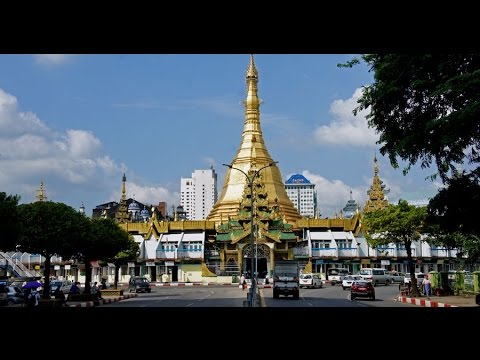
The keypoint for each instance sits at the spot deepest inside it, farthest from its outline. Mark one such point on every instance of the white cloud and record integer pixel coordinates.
(345, 129)
(31, 151)
(67, 162)
(82, 143)
(333, 195)
(52, 59)
(147, 194)
(14, 122)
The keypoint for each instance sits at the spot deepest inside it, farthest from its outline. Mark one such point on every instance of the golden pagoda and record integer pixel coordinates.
(41, 193)
(122, 213)
(376, 195)
(251, 157)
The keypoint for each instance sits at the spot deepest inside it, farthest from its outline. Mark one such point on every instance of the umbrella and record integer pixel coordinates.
(32, 285)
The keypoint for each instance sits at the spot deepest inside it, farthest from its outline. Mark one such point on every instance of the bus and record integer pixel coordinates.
(335, 275)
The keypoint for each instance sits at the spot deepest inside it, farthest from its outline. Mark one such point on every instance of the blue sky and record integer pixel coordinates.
(77, 122)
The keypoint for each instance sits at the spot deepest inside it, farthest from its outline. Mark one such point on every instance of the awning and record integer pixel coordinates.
(94, 264)
(440, 261)
(111, 265)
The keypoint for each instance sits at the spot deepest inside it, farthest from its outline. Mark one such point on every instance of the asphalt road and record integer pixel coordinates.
(232, 296)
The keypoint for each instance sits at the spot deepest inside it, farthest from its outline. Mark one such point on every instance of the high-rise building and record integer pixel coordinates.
(198, 194)
(303, 195)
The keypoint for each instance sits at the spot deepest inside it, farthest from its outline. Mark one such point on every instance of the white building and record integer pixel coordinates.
(302, 194)
(198, 194)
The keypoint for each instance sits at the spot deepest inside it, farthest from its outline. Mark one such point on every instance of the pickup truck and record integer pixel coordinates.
(286, 278)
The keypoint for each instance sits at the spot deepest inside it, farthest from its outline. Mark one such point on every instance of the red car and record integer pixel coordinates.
(362, 288)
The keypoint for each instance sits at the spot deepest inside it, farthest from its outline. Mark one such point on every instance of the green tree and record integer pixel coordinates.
(453, 220)
(401, 223)
(123, 257)
(426, 109)
(49, 228)
(9, 220)
(106, 239)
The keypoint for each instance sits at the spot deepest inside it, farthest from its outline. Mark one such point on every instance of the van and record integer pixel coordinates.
(336, 275)
(139, 284)
(376, 276)
(310, 280)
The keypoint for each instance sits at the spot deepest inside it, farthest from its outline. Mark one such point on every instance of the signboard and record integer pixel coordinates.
(149, 263)
(56, 267)
(37, 267)
(317, 262)
(169, 263)
(385, 262)
(68, 267)
(365, 261)
(131, 264)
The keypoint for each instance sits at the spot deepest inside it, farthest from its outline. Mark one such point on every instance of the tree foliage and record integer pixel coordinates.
(452, 215)
(9, 220)
(106, 239)
(426, 108)
(130, 253)
(401, 223)
(50, 228)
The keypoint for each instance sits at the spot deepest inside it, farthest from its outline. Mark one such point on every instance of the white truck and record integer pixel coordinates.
(285, 278)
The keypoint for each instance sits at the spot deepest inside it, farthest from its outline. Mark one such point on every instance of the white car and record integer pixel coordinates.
(348, 280)
(310, 280)
(419, 276)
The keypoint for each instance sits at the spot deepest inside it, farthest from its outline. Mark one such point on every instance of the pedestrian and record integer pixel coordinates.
(96, 291)
(427, 286)
(104, 284)
(33, 298)
(243, 282)
(75, 289)
(59, 295)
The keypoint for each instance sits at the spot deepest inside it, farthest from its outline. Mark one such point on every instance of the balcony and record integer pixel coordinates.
(324, 252)
(301, 252)
(439, 252)
(348, 252)
(190, 253)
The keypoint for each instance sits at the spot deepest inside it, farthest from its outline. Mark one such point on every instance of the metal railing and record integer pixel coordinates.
(17, 267)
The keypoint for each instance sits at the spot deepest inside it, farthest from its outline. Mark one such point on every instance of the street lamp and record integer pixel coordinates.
(253, 255)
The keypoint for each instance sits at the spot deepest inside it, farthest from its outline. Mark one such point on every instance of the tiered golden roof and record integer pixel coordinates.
(376, 195)
(122, 213)
(252, 156)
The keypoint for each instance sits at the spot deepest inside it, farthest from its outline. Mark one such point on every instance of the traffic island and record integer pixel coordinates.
(111, 292)
(49, 303)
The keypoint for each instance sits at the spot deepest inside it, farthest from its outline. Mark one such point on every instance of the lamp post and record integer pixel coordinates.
(253, 255)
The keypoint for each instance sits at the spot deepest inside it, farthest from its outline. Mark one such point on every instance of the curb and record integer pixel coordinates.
(422, 302)
(104, 301)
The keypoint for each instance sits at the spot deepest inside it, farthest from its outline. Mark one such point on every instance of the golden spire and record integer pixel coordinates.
(122, 212)
(376, 195)
(252, 156)
(41, 193)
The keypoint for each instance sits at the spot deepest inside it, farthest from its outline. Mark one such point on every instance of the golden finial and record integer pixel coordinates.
(252, 70)
(41, 193)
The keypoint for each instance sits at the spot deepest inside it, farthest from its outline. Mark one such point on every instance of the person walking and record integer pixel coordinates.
(243, 282)
(427, 286)
(59, 295)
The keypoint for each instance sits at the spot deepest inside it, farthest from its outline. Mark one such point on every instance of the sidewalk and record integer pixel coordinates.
(440, 301)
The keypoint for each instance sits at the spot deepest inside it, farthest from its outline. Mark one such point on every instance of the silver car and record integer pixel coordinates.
(64, 285)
